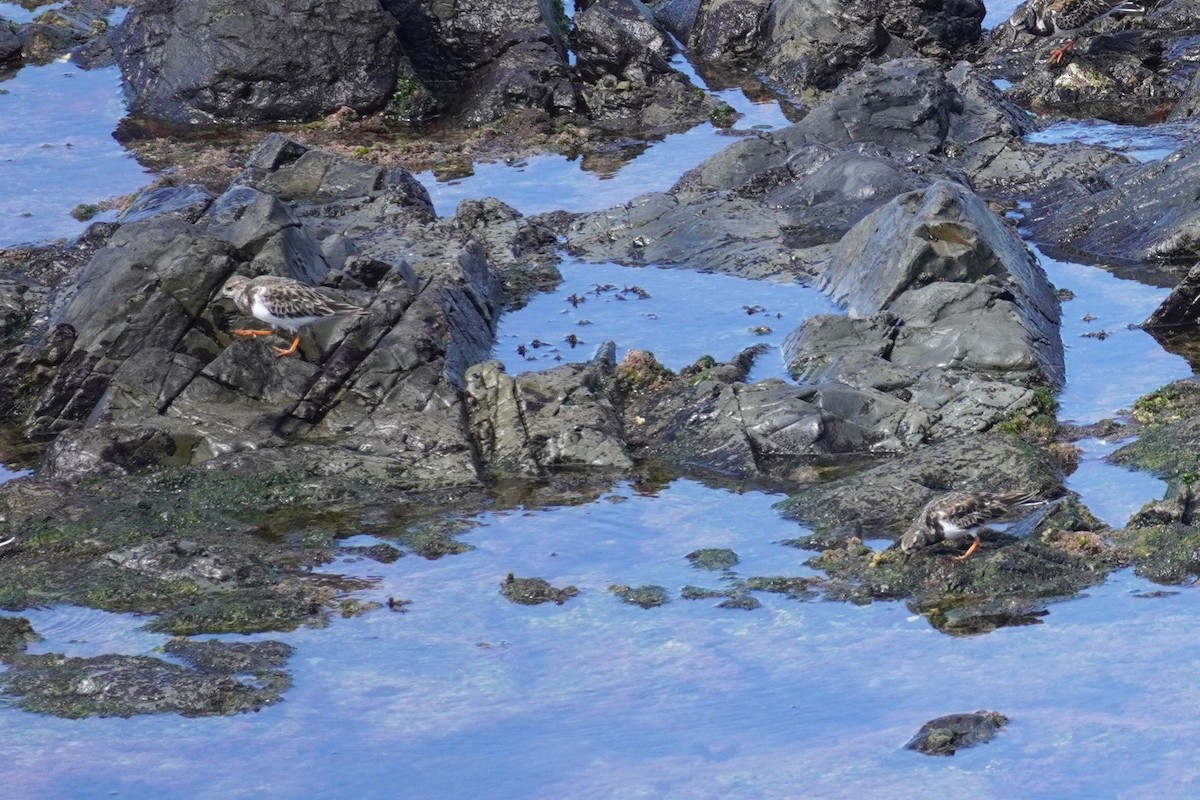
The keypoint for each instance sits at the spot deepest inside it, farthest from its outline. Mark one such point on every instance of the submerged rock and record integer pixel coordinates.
(15, 634)
(122, 686)
(649, 596)
(230, 658)
(713, 558)
(534, 591)
(946, 735)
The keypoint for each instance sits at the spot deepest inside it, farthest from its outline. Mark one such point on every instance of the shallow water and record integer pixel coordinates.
(684, 315)
(552, 182)
(467, 695)
(52, 162)
(1145, 143)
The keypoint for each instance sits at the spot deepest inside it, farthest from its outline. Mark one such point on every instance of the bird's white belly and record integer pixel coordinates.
(260, 311)
(953, 531)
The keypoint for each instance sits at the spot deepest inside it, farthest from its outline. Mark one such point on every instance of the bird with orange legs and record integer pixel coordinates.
(958, 515)
(283, 303)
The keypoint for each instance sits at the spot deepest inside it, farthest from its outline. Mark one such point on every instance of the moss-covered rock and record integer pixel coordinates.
(713, 558)
(649, 596)
(534, 591)
(122, 685)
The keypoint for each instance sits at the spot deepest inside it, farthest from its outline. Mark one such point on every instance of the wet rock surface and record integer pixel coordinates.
(534, 591)
(121, 686)
(946, 735)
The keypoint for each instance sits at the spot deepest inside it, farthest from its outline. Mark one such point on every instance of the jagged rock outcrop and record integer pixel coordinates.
(135, 367)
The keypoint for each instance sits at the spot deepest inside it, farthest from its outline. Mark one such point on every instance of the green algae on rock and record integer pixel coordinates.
(534, 591)
(649, 596)
(123, 685)
(713, 558)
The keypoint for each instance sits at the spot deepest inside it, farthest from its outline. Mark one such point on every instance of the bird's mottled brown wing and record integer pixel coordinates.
(1075, 14)
(971, 510)
(290, 299)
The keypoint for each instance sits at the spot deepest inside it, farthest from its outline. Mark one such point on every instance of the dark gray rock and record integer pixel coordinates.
(720, 32)
(620, 38)
(188, 202)
(905, 104)
(71, 26)
(628, 85)
(945, 240)
(562, 417)
(479, 60)
(883, 500)
(1148, 213)
(148, 375)
(10, 44)
(987, 141)
(946, 735)
(738, 236)
(1126, 68)
(195, 63)
(950, 314)
(813, 44)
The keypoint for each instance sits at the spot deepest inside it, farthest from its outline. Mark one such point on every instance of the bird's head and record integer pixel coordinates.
(234, 286)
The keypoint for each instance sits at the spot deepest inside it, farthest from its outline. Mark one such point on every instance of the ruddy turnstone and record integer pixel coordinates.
(958, 515)
(283, 303)
(1066, 18)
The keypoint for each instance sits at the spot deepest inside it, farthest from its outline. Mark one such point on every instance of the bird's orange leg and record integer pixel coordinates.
(974, 546)
(1059, 54)
(290, 350)
(247, 332)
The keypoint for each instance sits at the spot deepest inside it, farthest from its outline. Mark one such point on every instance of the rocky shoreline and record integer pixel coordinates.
(193, 476)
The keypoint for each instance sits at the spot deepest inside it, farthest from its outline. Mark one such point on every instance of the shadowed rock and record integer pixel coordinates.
(196, 63)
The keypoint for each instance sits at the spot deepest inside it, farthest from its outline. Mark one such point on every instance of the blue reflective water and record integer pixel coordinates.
(467, 695)
(1112, 493)
(1105, 375)
(57, 150)
(20, 14)
(552, 182)
(1144, 143)
(685, 315)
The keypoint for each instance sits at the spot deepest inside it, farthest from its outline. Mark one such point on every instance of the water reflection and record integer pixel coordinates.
(1109, 365)
(467, 695)
(1142, 142)
(602, 180)
(679, 315)
(57, 150)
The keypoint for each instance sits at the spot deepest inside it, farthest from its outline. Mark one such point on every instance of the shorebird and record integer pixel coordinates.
(957, 515)
(1065, 18)
(283, 303)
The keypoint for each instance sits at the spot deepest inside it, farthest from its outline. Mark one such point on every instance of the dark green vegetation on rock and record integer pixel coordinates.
(121, 686)
(946, 735)
(534, 591)
(649, 596)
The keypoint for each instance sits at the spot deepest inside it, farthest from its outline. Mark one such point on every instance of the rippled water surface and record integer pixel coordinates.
(468, 695)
